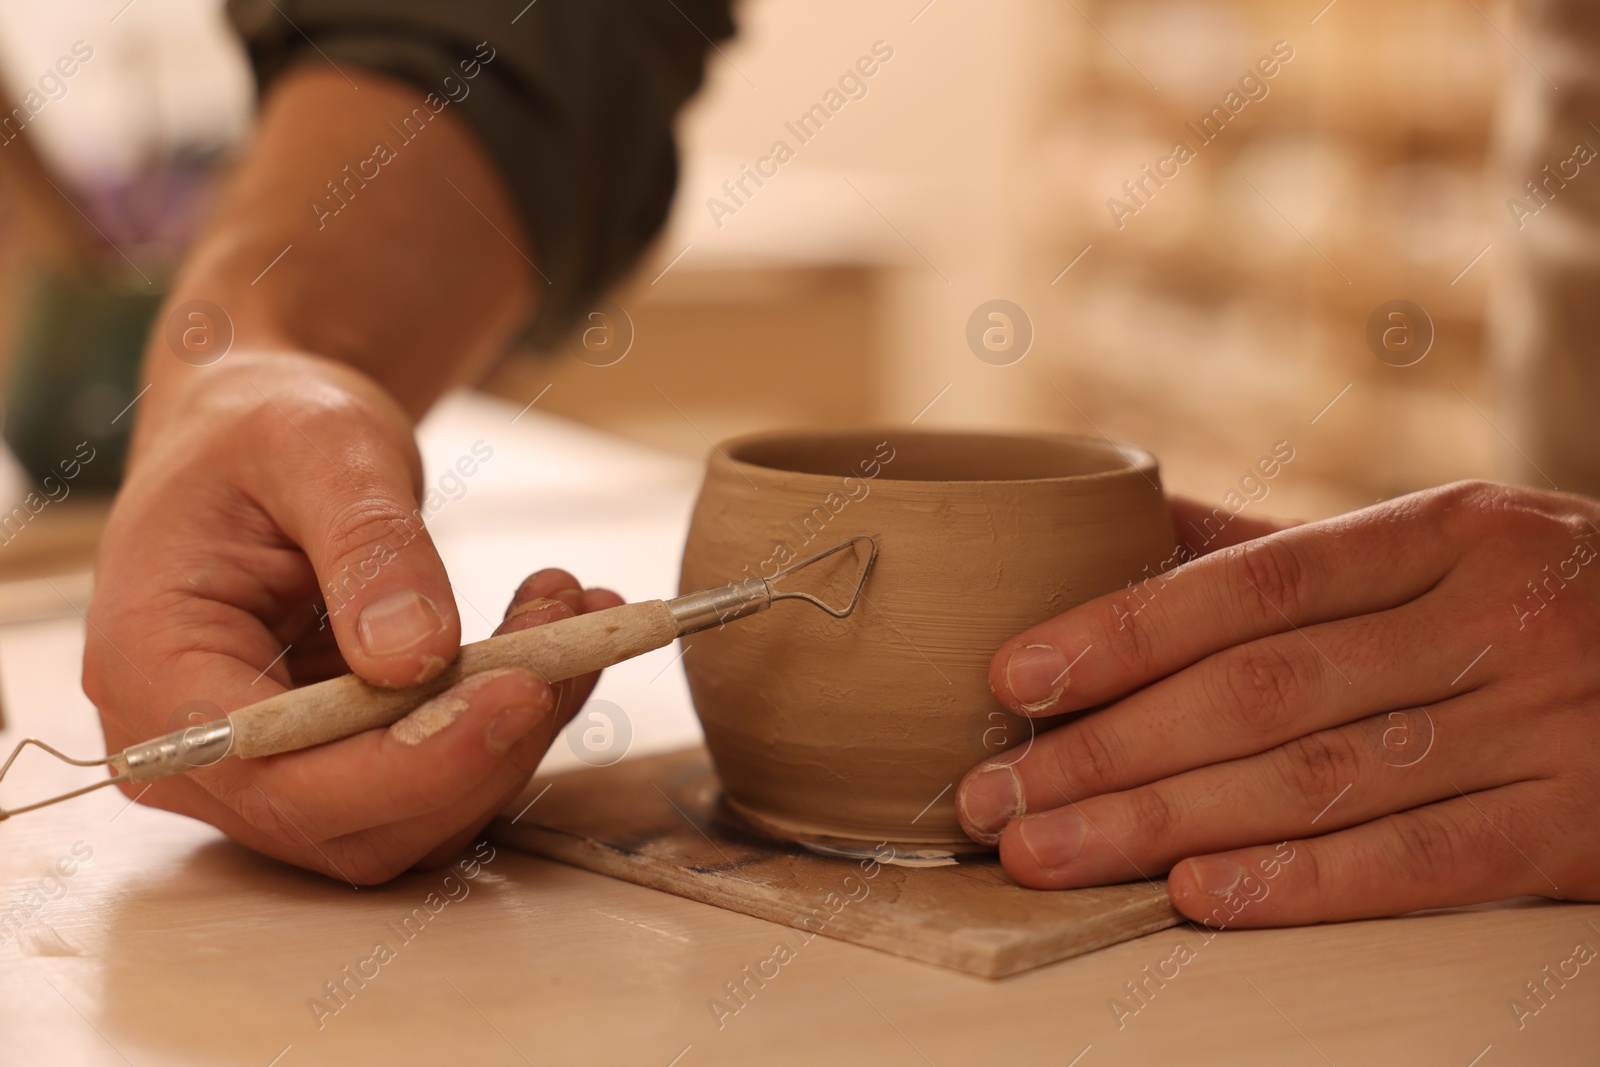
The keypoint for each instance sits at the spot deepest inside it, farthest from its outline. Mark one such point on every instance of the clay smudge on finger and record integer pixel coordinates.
(540, 604)
(431, 666)
(432, 716)
(428, 719)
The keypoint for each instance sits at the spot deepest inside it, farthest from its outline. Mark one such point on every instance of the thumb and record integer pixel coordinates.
(385, 591)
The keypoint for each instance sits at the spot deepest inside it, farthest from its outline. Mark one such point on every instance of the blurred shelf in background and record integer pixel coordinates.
(1224, 314)
(1228, 310)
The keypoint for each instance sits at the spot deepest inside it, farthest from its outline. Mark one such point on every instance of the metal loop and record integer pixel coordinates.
(838, 613)
(6, 813)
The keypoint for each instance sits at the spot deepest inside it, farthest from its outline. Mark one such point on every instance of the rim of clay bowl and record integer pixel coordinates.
(1124, 458)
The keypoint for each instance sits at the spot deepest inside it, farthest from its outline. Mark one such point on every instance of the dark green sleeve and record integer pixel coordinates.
(574, 100)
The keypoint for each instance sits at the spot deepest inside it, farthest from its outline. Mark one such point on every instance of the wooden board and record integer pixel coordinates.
(658, 821)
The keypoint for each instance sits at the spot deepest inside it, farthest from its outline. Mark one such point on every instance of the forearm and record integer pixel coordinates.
(416, 273)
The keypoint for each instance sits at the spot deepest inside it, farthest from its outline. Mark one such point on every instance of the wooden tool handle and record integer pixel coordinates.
(341, 707)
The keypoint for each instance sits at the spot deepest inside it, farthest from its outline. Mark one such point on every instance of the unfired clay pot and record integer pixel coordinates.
(853, 732)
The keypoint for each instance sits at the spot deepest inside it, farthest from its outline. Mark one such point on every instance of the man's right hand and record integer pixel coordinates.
(267, 536)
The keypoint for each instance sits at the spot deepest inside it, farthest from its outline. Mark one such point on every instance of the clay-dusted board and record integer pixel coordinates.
(658, 821)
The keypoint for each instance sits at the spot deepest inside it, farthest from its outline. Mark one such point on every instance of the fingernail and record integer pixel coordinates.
(1037, 675)
(1216, 877)
(398, 622)
(511, 726)
(541, 604)
(990, 799)
(1054, 840)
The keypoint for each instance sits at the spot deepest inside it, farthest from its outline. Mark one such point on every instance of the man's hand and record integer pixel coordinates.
(267, 535)
(1391, 710)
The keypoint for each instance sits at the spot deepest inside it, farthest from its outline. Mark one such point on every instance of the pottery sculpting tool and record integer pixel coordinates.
(345, 706)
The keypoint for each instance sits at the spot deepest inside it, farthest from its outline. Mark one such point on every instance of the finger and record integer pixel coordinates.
(454, 852)
(527, 608)
(531, 606)
(376, 855)
(409, 844)
(405, 837)
(1237, 702)
(559, 585)
(300, 807)
(1470, 849)
(1317, 783)
(552, 583)
(436, 770)
(600, 600)
(427, 762)
(462, 823)
(1352, 565)
(403, 774)
(447, 851)
(348, 499)
(346, 800)
(1205, 528)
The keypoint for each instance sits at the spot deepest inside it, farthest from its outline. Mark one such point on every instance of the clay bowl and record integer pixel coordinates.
(853, 732)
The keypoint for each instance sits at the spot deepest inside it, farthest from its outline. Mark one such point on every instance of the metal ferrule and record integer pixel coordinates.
(716, 607)
(174, 753)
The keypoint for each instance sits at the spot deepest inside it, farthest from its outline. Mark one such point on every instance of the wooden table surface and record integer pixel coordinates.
(169, 945)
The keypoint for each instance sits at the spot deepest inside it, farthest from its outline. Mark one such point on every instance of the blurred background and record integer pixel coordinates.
(1217, 312)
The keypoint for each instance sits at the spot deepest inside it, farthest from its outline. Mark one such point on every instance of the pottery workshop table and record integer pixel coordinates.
(169, 945)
